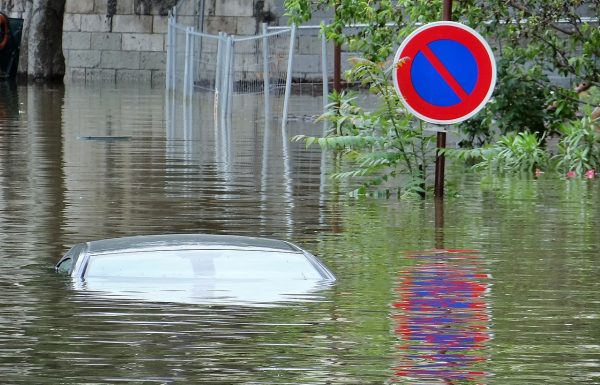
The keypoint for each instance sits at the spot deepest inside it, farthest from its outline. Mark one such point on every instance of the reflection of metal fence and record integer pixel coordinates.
(226, 65)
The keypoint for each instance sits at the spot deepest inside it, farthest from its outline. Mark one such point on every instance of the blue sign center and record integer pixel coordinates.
(444, 73)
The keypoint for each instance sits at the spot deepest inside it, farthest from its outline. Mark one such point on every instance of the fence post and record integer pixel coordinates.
(226, 78)
(173, 52)
(186, 62)
(191, 59)
(218, 75)
(266, 75)
(169, 49)
(223, 78)
(231, 72)
(288, 80)
(324, 71)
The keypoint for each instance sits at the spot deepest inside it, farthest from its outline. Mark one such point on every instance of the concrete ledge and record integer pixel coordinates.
(96, 74)
(137, 76)
(81, 75)
(75, 74)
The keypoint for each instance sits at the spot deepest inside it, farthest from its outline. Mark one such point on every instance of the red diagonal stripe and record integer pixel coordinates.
(446, 75)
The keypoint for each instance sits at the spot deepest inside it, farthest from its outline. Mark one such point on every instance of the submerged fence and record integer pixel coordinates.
(226, 65)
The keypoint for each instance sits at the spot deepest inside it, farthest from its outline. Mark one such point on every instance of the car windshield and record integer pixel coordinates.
(210, 264)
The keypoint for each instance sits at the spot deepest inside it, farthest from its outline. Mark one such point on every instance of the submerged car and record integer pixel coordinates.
(194, 268)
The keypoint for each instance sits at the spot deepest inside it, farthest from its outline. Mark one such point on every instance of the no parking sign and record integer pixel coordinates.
(449, 73)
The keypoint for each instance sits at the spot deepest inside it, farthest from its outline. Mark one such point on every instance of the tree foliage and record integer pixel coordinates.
(384, 143)
(547, 57)
(547, 53)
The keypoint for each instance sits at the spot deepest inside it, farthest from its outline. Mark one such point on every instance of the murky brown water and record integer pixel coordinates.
(513, 299)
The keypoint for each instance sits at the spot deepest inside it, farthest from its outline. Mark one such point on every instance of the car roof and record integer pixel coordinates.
(187, 241)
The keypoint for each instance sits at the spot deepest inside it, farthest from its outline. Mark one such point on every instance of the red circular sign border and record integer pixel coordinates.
(482, 53)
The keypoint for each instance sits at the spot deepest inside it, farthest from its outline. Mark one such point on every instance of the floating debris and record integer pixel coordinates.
(105, 138)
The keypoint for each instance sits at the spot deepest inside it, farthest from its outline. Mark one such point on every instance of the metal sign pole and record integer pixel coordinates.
(337, 58)
(288, 79)
(440, 160)
(266, 75)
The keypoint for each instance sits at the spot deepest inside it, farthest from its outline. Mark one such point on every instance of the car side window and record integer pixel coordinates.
(65, 266)
(67, 262)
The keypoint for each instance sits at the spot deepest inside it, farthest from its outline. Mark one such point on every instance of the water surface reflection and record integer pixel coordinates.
(63, 181)
(443, 318)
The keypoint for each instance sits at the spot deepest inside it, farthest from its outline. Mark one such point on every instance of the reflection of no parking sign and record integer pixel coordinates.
(448, 74)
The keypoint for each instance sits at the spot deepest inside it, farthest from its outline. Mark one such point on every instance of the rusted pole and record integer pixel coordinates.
(440, 160)
(337, 62)
(447, 10)
(439, 222)
(337, 67)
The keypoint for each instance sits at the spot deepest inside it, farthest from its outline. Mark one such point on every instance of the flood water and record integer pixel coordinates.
(499, 286)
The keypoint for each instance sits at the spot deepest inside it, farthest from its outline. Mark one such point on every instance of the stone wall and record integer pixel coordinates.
(125, 40)
(120, 40)
(240, 17)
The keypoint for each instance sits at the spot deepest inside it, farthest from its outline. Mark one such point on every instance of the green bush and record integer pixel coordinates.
(387, 146)
(579, 146)
(531, 40)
